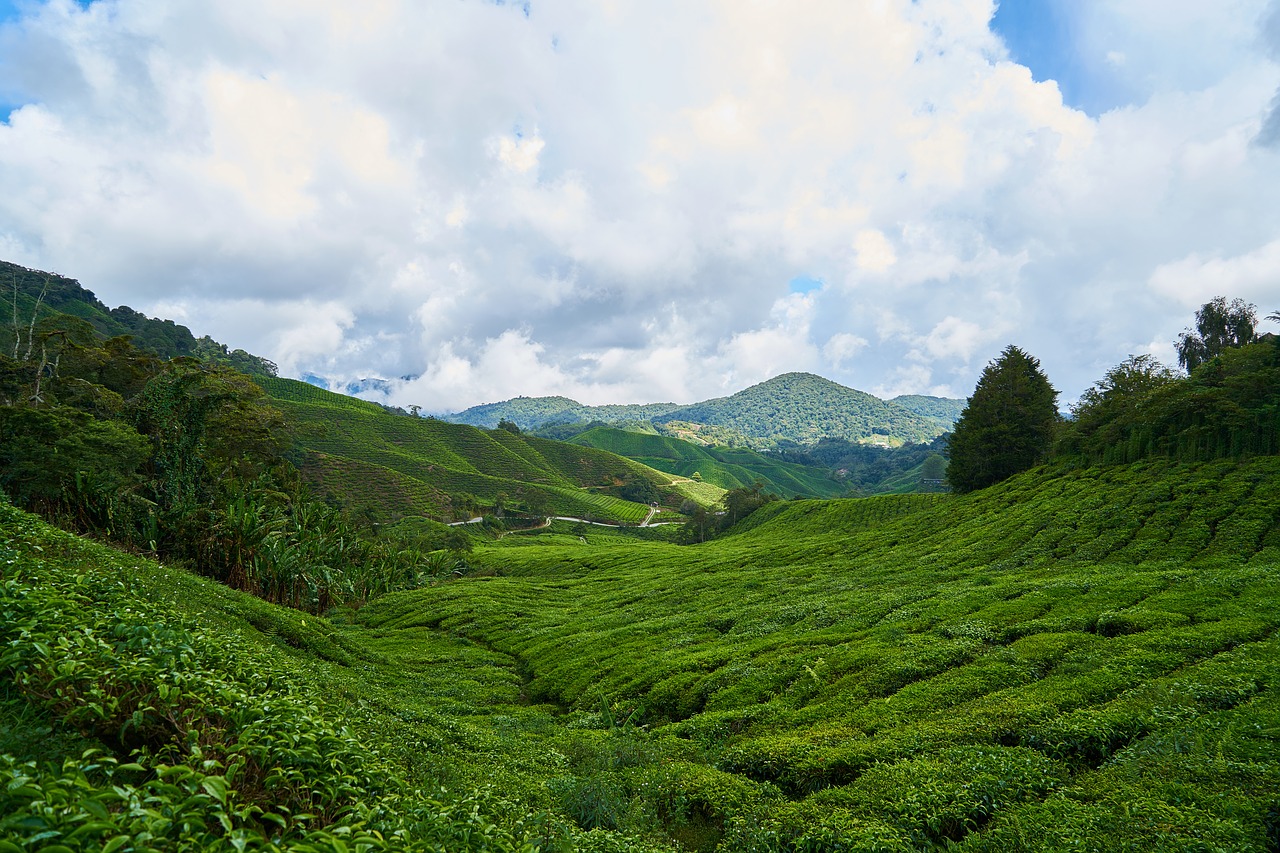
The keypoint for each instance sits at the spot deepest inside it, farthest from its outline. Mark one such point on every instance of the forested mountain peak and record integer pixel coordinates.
(792, 408)
(801, 408)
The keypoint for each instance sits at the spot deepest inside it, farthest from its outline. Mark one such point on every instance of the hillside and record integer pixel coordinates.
(534, 412)
(794, 408)
(1073, 659)
(44, 302)
(1069, 655)
(803, 408)
(394, 465)
(945, 411)
(729, 468)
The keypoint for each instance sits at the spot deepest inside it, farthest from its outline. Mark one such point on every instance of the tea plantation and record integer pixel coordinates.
(1074, 659)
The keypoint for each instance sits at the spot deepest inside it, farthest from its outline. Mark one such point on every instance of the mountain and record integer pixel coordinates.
(534, 412)
(728, 468)
(795, 408)
(943, 410)
(802, 408)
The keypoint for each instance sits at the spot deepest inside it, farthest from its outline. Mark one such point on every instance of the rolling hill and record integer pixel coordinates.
(398, 465)
(794, 408)
(1076, 658)
(729, 468)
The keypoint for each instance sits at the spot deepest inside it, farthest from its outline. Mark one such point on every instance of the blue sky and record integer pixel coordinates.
(1045, 36)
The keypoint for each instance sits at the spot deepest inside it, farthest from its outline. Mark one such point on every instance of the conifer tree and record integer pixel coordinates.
(1008, 424)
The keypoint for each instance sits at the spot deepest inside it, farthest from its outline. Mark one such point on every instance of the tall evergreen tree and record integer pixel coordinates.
(1008, 425)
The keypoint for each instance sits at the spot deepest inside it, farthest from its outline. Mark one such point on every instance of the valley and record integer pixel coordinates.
(241, 612)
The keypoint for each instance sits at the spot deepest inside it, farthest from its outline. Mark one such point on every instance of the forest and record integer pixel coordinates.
(212, 640)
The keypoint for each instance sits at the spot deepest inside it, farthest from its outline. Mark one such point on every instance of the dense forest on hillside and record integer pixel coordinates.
(530, 413)
(788, 410)
(801, 408)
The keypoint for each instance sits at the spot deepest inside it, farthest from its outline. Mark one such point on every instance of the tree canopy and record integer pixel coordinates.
(1008, 425)
(1219, 326)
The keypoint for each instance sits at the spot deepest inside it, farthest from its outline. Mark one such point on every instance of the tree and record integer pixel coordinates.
(1008, 424)
(1219, 326)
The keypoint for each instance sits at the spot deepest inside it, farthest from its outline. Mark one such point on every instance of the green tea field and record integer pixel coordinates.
(1075, 659)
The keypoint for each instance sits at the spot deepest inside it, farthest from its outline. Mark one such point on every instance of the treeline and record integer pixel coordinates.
(1226, 405)
(861, 467)
(184, 459)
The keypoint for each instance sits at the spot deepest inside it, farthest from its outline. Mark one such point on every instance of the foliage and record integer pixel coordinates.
(739, 504)
(803, 408)
(530, 413)
(1219, 327)
(795, 408)
(928, 668)
(32, 295)
(866, 469)
(944, 410)
(200, 745)
(1008, 424)
(1228, 406)
(360, 457)
(726, 467)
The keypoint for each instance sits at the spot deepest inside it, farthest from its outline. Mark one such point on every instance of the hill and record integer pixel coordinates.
(801, 408)
(729, 468)
(1075, 658)
(533, 412)
(395, 465)
(794, 408)
(945, 411)
(1072, 655)
(41, 302)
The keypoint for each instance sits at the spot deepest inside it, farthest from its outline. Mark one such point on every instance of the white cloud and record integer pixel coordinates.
(609, 200)
(842, 347)
(1195, 279)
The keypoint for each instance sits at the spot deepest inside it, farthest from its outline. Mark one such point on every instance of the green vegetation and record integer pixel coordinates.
(1227, 407)
(729, 468)
(534, 412)
(801, 408)
(1071, 655)
(865, 469)
(788, 410)
(383, 466)
(942, 410)
(1008, 425)
(1219, 327)
(1082, 656)
(41, 305)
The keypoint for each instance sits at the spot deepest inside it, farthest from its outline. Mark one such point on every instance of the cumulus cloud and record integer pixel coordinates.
(609, 200)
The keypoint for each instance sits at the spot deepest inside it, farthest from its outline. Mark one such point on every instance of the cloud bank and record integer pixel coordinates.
(608, 200)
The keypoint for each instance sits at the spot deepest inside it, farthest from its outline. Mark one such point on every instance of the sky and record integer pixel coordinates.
(650, 200)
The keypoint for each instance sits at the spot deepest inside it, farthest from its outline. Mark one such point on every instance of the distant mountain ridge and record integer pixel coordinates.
(534, 412)
(794, 408)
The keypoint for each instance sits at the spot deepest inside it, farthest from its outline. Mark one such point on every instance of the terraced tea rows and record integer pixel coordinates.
(1090, 653)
